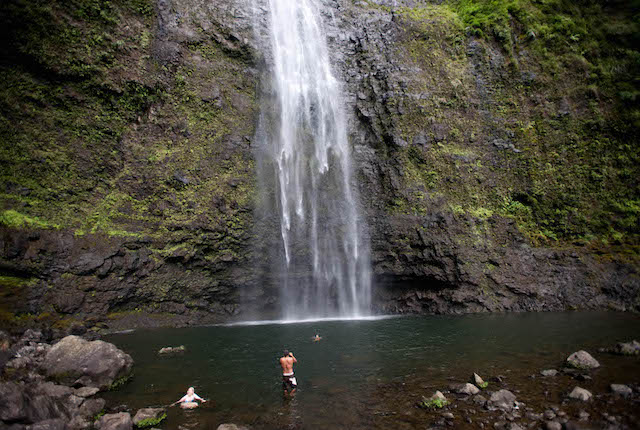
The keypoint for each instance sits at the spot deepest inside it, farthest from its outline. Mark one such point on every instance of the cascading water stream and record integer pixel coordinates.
(325, 255)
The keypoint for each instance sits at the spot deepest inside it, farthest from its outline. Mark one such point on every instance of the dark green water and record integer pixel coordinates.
(363, 374)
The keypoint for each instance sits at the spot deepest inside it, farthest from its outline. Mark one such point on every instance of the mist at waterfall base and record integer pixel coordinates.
(368, 374)
(321, 258)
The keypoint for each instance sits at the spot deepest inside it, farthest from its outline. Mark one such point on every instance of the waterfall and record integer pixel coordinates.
(306, 159)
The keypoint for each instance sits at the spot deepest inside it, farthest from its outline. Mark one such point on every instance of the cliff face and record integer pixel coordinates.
(495, 149)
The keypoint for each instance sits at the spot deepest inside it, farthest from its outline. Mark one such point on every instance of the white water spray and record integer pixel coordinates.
(326, 256)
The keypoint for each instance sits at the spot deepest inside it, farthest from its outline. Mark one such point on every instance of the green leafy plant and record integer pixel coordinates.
(150, 422)
(433, 403)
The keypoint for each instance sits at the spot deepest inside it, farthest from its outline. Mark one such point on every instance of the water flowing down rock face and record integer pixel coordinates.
(307, 167)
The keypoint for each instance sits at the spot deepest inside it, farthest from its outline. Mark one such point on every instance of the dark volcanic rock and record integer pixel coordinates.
(503, 399)
(12, 407)
(92, 364)
(119, 421)
(148, 413)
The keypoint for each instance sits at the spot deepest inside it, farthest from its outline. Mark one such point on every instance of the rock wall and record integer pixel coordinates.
(494, 173)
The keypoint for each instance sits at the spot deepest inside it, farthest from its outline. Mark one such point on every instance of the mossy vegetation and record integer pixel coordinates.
(433, 403)
(102, 138)
(150, 422)
(531, 115)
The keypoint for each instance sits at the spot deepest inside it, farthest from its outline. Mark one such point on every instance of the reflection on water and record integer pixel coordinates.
(362, 373)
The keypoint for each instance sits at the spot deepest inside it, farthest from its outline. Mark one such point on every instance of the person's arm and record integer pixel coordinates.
(199, 398)
(294, 359)
(179, 401)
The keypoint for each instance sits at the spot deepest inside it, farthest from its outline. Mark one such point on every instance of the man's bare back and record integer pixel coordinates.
(287, 363)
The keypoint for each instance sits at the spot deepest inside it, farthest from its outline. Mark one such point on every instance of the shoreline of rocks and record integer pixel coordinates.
(503, 410)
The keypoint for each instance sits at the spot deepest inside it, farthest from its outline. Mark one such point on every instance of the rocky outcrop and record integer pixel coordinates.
(28, 399)
(91, 364)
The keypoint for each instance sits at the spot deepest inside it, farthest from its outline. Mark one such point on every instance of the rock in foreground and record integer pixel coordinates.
(468, 389)
(97, 364)
(120, 421)
(580, 394)
(503, 399)
(582, 360)
(621, 390)
(148, 417)
(628, 348)
(231, 427)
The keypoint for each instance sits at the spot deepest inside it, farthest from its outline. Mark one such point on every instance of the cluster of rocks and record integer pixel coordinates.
(51, 387)
(501, 409)
(624, 348)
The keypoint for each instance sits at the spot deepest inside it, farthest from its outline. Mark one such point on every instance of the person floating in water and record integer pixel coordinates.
(289, 382)
(189, 400)
(317, 338)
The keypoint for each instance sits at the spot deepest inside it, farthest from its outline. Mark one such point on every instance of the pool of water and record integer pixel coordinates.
(362, 374)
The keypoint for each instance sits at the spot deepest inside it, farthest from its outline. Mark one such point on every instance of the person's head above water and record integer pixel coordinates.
(190, 391)
(286, 353)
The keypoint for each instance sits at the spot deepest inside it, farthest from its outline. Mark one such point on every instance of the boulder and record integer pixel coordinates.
(147, 417)
(553, 425)
(12, 406)
(479, 400)
(628, 348)
(91, 407)
(79, 423)
(503, 399)
(119, 421)
(172, 349)
(582, 360)
(97, 364)
(53, 390)
(231, 427)
(50, 424)
(621, 390)
(86, 391)
(19, 403)
(580, 394)
(549, 372)
(468, 389)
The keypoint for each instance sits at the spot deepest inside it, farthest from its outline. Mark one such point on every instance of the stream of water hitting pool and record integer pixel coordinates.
(325, 253)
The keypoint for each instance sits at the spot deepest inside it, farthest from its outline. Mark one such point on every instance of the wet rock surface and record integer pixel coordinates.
(29, 400)
(155, 414)
(579, 393)
(95, 364)
(582, 360)
(119, 421)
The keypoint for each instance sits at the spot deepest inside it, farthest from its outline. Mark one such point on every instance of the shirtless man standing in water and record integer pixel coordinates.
(289, 383)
